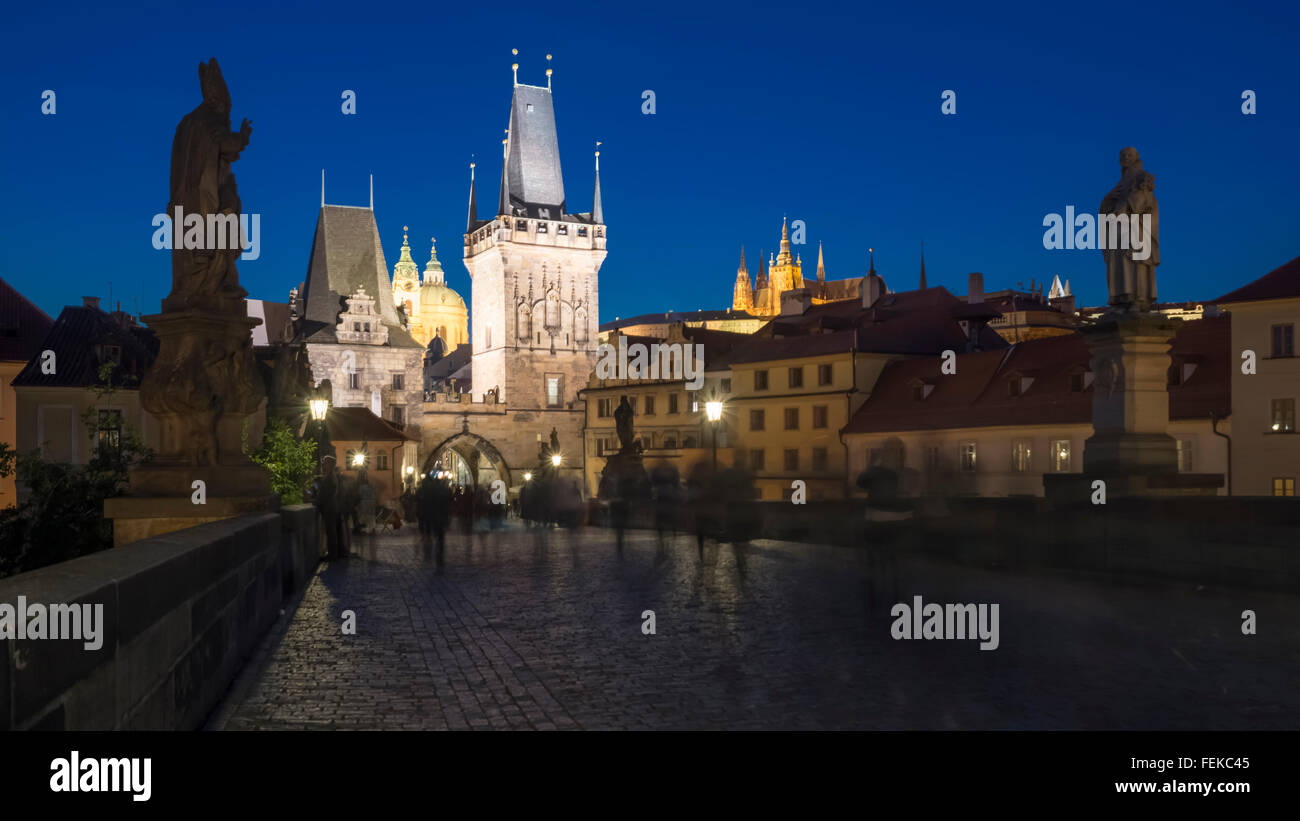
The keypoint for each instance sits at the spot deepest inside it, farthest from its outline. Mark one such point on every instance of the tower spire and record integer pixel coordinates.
(597, 212)
(742, 267)
(783, 257)
(503, 204)
(473, 202)
(923, 285)
(322, 188)
(821, 264)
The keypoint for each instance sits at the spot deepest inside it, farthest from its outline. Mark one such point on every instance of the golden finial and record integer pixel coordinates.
(404, 230)
(515, 66)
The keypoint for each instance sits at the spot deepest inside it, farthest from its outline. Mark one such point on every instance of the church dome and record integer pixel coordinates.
(434, 292)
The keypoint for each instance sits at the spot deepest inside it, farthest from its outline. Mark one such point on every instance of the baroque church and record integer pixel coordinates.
(781, 274)
(430, 308)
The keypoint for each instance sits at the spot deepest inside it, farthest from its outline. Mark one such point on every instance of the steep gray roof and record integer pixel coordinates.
(533, 154)
(346, 253)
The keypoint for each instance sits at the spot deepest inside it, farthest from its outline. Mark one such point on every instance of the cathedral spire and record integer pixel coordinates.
(597, 212)
(742, 268)
(783, 258)
(923, 285)
(821, 264)
(473, 202)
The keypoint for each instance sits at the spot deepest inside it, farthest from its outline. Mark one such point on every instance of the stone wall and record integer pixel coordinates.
(181, 613)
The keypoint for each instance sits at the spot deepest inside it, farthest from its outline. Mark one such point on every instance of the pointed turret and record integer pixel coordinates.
(923, 285)
(742, 296)
(821, 264)
(597, 213)
(473, 203)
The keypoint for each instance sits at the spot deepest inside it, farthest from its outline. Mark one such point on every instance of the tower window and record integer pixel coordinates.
(582, 231)
(542, 228)
(354, 380)
(562, 230)
(398, 381)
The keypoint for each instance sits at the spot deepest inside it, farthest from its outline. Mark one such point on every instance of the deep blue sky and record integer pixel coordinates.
(826, 113)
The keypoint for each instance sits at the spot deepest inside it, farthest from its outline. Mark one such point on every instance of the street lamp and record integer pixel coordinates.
(528, 476)
(713, 411)
(359, 458)
(556, 459)
(319, 407)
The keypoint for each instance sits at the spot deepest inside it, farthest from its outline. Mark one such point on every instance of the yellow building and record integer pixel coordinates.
(431, 307)
(1265, 442)
(670, 423)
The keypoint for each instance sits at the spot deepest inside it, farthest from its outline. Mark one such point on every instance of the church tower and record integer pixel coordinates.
(535, 266)
(743, 296)
(406, 286)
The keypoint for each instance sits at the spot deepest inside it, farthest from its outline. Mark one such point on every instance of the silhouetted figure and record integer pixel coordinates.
(666, 483)
(434, 501)
(327, 502)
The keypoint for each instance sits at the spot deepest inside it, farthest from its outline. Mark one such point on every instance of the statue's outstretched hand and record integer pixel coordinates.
(246, 130)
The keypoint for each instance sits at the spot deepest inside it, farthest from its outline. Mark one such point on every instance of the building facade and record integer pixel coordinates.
(1265, 439)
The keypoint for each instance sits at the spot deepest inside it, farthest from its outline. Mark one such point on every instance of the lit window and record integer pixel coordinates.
(554, 391)
(1022, 457)
(109, 432)
(966, 453)
(1283, 416)
(1060, 451)
(1184, 455)
(1284, 486)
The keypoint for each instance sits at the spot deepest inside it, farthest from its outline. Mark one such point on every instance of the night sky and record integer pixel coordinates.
(825, 113)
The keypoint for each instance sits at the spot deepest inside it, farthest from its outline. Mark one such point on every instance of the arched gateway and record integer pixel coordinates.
(470, 459)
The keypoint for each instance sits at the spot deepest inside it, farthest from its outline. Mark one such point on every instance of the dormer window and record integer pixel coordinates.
(1018, 384)
(582, 230)
(111, 353)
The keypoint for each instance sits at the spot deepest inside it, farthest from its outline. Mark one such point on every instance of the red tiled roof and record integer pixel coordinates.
(1280, 283)
(977, 395)
(361, 425)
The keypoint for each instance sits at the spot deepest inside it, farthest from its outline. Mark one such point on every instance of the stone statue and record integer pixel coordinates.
(203, 185)
(623, 425)
(204, 381)
(1131, 280)
(555, 442)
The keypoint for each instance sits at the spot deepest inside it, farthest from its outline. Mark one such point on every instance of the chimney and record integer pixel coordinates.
(975, 290)
(795, 302)
(90, 302)
(872, 290)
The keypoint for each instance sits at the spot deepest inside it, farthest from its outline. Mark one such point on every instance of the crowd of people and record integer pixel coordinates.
(703, 504)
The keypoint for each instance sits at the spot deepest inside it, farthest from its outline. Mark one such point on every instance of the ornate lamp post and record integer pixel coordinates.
(318, 406)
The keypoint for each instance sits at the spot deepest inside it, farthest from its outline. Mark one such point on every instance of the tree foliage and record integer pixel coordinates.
(291, 461)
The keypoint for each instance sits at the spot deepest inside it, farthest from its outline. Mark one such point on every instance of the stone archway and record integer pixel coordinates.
(477, 455)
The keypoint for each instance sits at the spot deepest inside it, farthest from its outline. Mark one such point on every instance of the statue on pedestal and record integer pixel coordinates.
(1130, 273)
(202, 184)
(623, 426)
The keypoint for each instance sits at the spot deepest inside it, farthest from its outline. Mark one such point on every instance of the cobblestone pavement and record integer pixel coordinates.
(508, 633)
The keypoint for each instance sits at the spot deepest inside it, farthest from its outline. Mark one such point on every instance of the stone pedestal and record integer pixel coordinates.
(201, 388)
(624, 477)
(1130, 396)
(1130, 449)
